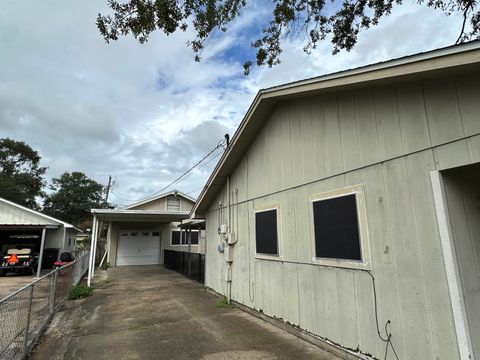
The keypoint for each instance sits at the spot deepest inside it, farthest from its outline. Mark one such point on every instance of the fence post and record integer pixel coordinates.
(27, 327)
(53, 286)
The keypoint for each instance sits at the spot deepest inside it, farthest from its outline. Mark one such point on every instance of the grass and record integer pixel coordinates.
(105, 266)
(223, 303)
(80, 291)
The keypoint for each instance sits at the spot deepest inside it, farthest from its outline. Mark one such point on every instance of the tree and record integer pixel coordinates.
(73, 196)
(342, 20)
(21, 176)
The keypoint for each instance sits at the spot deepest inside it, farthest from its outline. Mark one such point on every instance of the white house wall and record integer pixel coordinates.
(55, 239)
(388, 139)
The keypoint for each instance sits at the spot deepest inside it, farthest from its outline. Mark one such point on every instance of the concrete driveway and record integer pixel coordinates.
(149, 312)
(12, 282)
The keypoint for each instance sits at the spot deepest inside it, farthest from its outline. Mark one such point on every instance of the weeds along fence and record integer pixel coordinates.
(25, 314)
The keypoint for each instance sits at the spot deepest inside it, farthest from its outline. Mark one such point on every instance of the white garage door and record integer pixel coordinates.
(138, 248)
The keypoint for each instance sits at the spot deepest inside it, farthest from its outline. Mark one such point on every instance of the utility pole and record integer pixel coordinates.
(108, 190)
(105, 204)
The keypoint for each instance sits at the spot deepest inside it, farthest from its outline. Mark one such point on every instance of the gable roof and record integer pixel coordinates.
(156, 197)
(452, 59)
(22, 215)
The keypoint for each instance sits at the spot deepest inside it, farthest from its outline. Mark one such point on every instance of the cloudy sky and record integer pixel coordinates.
(145, 113)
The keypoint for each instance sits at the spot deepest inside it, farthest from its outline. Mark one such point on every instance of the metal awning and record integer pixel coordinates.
(10, 227)
(138, 215)
(192, 224)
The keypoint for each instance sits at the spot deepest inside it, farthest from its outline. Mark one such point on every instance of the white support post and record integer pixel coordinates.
(40, 257)
(94, 226)
(95, 246)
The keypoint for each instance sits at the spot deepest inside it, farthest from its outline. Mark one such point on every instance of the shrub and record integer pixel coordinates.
(105, 266)
(80, 291)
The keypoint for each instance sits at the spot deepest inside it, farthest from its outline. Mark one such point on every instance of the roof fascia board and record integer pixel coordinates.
(408, 65)
(139, 212)
(145, 201)
(439, 59)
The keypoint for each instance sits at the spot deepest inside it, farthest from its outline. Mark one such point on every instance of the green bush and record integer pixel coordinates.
(223, 303)
(105, 266)
(79, 292)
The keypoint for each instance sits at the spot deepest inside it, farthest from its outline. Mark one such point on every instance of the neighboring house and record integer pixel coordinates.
(23, 227)
(139, 233)
(371, 173)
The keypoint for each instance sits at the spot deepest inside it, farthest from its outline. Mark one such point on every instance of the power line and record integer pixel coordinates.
(204, 164)
(221, 144)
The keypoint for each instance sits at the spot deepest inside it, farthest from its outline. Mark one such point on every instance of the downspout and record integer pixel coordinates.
(229, 248)
(189, 251)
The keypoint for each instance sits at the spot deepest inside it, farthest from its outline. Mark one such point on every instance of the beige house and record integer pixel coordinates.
(348, 205)
(139, 233)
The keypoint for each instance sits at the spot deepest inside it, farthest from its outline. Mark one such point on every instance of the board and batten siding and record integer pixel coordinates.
(389, 139)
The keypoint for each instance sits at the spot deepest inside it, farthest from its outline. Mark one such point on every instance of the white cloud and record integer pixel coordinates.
(145, 113)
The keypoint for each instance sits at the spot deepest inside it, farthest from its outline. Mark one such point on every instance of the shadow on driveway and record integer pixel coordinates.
(149, 312)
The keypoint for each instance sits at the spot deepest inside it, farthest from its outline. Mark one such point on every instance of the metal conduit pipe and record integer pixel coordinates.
(229, 263)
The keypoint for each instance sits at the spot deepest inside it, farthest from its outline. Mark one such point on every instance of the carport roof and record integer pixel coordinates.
(139, 215)
(15, 215)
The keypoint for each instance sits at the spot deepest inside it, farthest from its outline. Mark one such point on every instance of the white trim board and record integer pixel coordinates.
(451, 268)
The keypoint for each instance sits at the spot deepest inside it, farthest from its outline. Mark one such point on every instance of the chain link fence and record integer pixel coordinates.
(25, 314)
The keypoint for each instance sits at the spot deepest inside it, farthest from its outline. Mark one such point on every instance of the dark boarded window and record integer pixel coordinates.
(266, 232)
(336, 228)
(175, 237)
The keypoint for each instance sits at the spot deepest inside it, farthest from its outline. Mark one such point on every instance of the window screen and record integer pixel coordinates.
(336, 228)
(175, 237)
(266, 232)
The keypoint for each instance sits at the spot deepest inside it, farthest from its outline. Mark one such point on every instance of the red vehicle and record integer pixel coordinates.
(65, 259)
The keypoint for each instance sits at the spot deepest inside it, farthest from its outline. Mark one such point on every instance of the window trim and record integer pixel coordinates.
(358, 191)
(171, 236)
(279, 256)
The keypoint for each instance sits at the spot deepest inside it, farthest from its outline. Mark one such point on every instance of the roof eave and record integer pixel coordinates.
(410, 66)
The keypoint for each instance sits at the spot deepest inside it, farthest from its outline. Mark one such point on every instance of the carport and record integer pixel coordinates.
(27, 228)
(134, 237)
